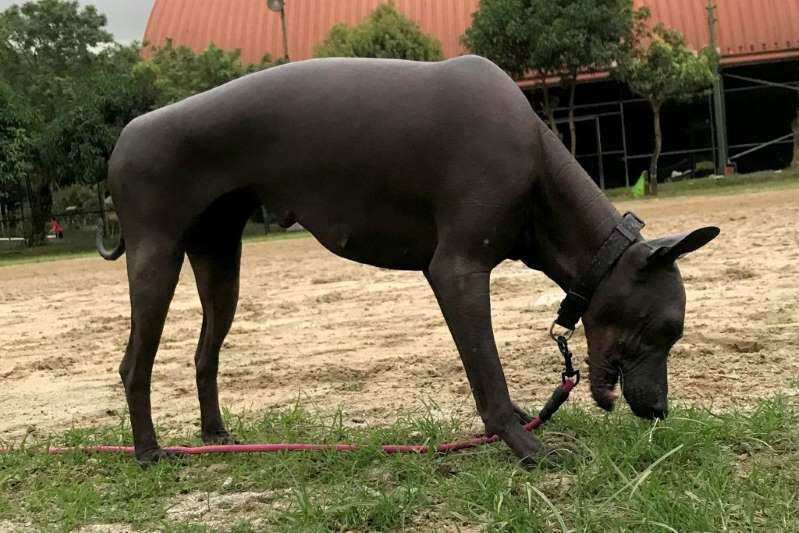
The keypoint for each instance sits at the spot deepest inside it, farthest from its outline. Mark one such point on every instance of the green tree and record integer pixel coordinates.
(80, 140)
(386, 33)
(661, 67)
(15, 149)
(46, 47)
(15, 142)
(507, 33)
(581, 36)
(179, 73)
(549, 39)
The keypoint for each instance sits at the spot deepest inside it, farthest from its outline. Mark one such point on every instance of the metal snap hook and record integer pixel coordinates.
(566, 335)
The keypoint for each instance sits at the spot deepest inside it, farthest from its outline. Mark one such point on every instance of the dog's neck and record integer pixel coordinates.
(571, 216)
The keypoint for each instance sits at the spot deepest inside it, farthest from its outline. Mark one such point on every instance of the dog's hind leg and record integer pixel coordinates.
(214, 250)
(217, 275)
(153, 270)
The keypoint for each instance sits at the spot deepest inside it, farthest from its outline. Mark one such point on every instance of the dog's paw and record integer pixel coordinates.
(152, 457)
(524, 444)
(218, 437)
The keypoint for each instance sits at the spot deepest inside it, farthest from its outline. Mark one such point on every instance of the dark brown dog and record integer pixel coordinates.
(441, 168)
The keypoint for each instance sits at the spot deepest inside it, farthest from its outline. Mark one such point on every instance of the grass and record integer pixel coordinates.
(80, 243)
(738, 184)
(697, 471)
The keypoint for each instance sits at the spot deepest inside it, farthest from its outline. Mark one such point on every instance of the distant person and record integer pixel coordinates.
(58, 231)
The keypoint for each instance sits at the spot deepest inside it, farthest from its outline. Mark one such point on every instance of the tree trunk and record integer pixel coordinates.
(101, 207)
(572, 128)
(548, 106)
(795, 163)
(653, 166)
(3, 219)
(40, 200)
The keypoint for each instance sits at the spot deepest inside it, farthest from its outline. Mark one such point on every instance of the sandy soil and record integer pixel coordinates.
(317, 329)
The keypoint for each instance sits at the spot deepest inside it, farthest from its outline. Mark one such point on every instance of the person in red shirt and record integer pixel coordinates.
(56, 228)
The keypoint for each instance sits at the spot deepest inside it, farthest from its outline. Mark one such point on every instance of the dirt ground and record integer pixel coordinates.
(319, 330)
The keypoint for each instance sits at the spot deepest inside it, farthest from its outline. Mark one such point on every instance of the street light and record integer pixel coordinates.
(278, 6)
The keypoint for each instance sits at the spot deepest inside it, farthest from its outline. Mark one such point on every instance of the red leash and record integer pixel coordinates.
(560, 395)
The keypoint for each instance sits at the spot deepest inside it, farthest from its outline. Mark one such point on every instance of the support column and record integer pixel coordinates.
(599, 154)
(719, 108)
(624, 146)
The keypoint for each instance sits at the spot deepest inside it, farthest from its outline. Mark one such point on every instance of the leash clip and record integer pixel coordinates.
(569, 371)
(566, 335)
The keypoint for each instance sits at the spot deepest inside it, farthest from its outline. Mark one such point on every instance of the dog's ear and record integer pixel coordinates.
(667, 249)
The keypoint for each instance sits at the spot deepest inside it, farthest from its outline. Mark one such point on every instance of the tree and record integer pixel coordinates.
(551, 40)
(179, 73)
(507, 32)
(78, 90)
(581, 36)
(15, 149)
(386, 33)
(15, 143)
(661, 67)
(46, 47)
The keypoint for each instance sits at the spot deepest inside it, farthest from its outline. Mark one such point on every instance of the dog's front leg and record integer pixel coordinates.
(462, 290)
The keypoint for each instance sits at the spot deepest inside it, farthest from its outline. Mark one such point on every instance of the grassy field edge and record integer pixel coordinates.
(696, 471)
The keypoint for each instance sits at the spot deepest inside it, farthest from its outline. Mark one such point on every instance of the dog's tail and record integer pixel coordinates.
(109, 255)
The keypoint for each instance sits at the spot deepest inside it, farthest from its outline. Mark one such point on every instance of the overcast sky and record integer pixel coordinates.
(126, 18)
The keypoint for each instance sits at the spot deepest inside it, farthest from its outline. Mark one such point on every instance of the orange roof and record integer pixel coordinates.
(251, 27)
(748, 30)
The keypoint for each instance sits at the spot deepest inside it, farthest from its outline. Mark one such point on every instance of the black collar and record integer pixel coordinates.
(576, 302)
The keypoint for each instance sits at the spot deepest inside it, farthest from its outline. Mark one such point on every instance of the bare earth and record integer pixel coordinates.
(319, 330)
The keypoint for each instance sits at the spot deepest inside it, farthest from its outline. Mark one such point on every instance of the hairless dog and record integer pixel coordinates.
(441, 168)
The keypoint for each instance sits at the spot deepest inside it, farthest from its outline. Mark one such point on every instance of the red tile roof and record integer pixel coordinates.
(251, 27)
(748, 30)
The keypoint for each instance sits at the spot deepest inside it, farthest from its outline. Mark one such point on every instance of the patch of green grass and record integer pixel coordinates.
(75, 244)
(80, 243)
(696, 471)
(740, 183)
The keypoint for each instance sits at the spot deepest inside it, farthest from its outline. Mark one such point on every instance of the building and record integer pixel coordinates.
(758, 41)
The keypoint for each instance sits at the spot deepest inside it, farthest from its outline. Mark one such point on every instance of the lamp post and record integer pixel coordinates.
(279, 6)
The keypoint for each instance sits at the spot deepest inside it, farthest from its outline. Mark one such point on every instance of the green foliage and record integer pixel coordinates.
(581, 35)
(46, 45)
(386, 33)
(177, 72)
(661, 67)
(67, 91)
(506, 32)
(15, 141)
(78, 195)
(546, 38)
(550, 38)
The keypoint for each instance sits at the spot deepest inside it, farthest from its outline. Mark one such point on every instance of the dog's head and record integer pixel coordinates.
(635, 316)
